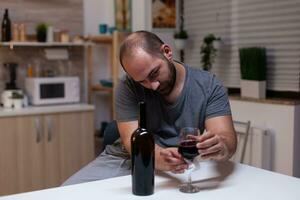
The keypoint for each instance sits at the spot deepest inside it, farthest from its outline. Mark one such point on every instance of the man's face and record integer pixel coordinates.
(154, 73)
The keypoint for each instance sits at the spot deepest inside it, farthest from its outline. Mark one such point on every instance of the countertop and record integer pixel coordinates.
(33, 110)
(226, 181)
(280, 101)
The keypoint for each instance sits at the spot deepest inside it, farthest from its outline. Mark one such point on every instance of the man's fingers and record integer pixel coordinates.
(165, 153)
(212, 156)
(218, 152)
(211, 150)
(173, 161)
(179, 169)
(208, 143)
(205, 136)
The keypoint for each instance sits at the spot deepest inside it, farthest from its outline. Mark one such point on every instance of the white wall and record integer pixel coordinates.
(96, 12)
(102, 11)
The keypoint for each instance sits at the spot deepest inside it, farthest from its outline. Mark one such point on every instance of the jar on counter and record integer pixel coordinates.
(15, 31)
(50, 36)
(64, 36)
(22, 33)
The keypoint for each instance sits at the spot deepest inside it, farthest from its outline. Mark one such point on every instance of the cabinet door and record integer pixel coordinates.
(76, 141)
(31, 152)
(8, 157)
(52, 152)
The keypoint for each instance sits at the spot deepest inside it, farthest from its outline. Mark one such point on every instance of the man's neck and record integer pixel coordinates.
(179, 83)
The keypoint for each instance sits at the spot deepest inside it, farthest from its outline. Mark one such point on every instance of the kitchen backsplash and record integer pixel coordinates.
(35, 56)
(62, 15)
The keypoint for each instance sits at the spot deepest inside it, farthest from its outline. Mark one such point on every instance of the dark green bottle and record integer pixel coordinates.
(6, 28)
(142, 157)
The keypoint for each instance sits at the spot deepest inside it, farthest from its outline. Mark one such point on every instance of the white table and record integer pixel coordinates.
(217, 180)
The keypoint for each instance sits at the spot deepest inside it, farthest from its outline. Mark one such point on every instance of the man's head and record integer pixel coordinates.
(148, 61)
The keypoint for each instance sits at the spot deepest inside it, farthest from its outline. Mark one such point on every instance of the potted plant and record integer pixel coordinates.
(253, 72)
(181, 36)
(17, 99)
(41, 32)
(180, 39)
(208, 51)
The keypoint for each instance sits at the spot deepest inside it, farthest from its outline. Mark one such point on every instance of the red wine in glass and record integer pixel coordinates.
(187, 148)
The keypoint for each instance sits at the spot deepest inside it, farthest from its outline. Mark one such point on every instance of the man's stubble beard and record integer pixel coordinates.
(170, 83)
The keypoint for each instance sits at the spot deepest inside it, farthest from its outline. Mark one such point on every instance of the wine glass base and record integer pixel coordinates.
(187, 188)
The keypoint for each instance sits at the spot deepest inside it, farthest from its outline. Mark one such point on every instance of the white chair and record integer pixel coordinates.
(242, 130)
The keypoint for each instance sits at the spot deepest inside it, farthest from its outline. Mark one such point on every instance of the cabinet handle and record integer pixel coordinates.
(50, 128)
(38, 130)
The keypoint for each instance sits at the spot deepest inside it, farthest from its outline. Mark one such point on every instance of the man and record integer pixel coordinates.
(177, 96)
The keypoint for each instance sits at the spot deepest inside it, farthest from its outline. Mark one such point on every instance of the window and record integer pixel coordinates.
(268, 23)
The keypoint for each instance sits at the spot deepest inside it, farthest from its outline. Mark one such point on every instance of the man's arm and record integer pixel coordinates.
(166, 159)
(219, 142)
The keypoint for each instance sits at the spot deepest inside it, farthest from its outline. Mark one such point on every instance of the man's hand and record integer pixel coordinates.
(169, 159)
(213, 147)
(219, 142)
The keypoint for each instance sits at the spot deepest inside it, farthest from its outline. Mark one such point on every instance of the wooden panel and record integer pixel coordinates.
(101, 38)
(76, 141)
(69, 127)
(8, 157)
(39, 152)
(30, 153)
(86, 136)
(52, 151)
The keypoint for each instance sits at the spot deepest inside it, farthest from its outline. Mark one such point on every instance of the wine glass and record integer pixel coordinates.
(187, 148)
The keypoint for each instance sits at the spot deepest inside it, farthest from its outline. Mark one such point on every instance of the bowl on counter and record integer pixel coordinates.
(106, 83)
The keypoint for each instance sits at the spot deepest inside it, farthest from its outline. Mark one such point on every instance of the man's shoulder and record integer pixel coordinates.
(198, 73)
(199, 76)
(127, 86)
(206, 80)
(126, 81)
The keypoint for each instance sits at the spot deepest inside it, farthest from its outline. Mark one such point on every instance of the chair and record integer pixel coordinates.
(110, 134)
(242, 130)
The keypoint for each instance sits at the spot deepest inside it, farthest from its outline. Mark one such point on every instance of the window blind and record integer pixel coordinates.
(273, 24)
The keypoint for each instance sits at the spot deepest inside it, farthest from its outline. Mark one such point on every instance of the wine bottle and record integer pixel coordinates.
(142, 157)
(6, 28)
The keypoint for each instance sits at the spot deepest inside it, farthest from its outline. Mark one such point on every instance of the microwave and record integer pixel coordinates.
(52, 90)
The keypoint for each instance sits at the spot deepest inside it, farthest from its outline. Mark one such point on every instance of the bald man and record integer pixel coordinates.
(177, 96)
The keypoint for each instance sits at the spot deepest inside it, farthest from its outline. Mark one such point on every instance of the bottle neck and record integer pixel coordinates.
(6, 13)
(142, 119)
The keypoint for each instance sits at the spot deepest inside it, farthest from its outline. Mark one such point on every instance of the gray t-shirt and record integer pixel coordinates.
(202, 97)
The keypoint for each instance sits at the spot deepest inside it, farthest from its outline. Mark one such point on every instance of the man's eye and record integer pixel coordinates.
(153, 75)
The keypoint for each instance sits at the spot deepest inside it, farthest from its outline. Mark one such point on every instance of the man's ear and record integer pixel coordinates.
(167, 51)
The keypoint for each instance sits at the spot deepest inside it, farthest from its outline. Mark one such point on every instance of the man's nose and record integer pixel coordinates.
(152, 85)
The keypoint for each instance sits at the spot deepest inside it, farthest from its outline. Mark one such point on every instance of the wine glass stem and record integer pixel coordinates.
(189, 179)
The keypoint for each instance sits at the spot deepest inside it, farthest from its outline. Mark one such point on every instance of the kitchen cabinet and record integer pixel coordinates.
(280, 119)
(30, 152)
(8, 157)
(76, 142)
(42, 151)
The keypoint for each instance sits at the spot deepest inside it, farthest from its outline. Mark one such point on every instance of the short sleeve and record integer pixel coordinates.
(217, 102)
(126, 101)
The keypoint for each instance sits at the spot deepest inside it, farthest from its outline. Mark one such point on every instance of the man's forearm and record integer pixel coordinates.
(230, 141)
